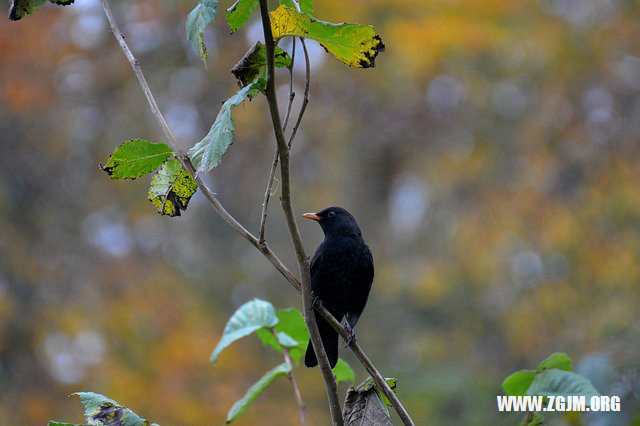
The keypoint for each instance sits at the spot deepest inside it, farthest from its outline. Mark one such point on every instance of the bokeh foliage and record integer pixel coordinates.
(491, 159)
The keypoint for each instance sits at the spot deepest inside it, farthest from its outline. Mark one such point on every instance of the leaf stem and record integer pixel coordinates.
(292, 379)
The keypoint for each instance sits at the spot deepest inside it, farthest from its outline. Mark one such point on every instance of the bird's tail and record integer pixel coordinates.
(329, 341)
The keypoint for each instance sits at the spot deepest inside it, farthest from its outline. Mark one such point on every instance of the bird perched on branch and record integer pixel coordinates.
(341, 277)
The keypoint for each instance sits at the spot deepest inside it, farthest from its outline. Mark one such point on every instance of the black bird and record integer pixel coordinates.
(341, 277)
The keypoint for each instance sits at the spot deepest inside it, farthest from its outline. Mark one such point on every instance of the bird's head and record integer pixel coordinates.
(335, 221)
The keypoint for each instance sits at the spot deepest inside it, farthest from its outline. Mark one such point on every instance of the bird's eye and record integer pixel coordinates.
(331, 214)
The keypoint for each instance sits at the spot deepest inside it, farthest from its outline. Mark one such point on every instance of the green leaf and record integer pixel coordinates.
(239, 13)
(249, 317)
(393, 383)
(343, 372)
(207, 154)
(171, 188)
(268, 339)
(363, 406)
(532, 418)
(355, 45)
(18, 9)
(283, 339)
(558, 360)
(256, 389)
(560, 382)
(370, 383)
(306, 6)
(197, 20)
(100, 410)
(287, 341)
(54, 423)
(518, 382)
(291, 323)
(136, 158)
(253, 63)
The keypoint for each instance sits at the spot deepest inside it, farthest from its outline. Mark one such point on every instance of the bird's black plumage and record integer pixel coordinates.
(341, 276)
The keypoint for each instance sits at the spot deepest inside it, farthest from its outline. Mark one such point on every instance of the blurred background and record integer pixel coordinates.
(491, 158)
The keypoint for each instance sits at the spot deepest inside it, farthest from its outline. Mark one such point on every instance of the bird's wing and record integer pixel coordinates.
(315, 260)
(370, 271)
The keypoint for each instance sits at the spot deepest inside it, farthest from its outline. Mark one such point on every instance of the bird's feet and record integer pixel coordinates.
(315, 301)
(352, 334)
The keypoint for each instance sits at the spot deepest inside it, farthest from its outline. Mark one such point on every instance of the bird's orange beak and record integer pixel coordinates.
(311, 216)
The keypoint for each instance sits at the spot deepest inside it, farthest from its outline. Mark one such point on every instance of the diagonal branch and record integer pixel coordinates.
(143, 82)
(227, 217)
(294, 233)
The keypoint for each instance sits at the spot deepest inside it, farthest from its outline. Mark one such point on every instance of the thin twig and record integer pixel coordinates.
(143, 82)
(227, 217)
(301, 256)
(274, 165)
(292, 379)
(305, 99)
(267, 197)
(303, 108)
(292, 94)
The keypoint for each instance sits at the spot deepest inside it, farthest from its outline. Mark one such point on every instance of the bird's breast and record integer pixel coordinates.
(343, 262)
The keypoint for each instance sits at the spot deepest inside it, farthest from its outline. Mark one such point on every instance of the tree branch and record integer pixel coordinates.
(227, 217)
(294, 233)
(292, 379)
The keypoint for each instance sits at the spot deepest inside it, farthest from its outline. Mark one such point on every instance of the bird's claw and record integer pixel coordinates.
(352, 334)
(315, 301)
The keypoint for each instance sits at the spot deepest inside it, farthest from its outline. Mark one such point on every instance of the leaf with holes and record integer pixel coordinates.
(248, 318)
(207, 154)
(18, 9)
(254, 62)
(136, 158)
(197, 21)
(171, 188)
(355, 45)
(100, 410)
(256, 389)
(370, 383)
(363, 406)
